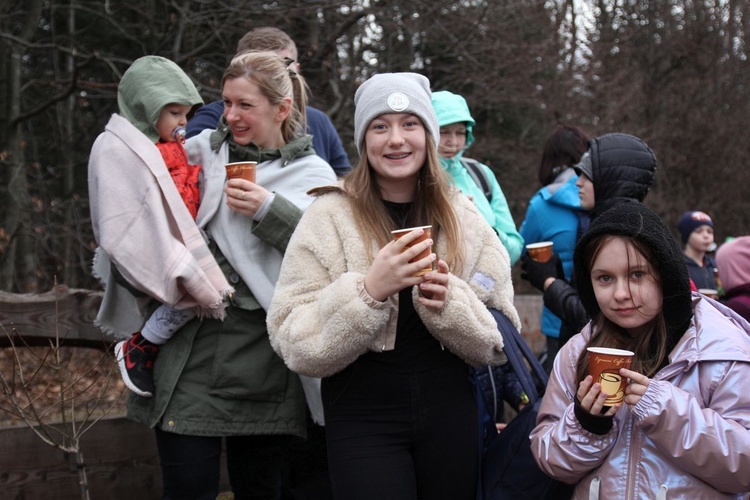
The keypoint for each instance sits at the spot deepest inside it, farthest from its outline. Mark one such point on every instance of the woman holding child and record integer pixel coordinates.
(394, 348)
(220, 379)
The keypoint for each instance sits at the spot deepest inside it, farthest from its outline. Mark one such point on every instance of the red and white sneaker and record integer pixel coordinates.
(135, 358)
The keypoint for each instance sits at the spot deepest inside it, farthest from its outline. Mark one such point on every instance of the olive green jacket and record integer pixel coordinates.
(218, 378)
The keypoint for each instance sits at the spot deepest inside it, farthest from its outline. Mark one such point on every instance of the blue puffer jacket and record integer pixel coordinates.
(552, 215)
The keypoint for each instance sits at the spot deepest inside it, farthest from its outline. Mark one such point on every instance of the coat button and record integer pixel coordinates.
(234, 278)
(170, 423)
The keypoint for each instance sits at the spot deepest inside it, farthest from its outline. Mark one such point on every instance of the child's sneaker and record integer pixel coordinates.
(135, 357)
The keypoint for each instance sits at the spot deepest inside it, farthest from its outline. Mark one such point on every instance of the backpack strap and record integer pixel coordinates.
(519, 354)
(479, 175)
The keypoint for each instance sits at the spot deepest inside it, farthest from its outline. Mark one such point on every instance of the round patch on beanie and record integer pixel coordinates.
(398, 101)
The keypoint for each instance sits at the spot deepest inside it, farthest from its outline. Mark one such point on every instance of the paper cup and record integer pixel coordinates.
(241, 170)
(540, 252)
(604, 367)
(709, 292)
(427, 234)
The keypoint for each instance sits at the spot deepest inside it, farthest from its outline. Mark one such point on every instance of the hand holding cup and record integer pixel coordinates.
(604, 367)
(636, 388)
(400, 264)
(434, 290)
(537, 273)
(244, 195)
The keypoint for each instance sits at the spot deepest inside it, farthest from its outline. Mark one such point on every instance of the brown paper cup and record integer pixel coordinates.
(241, 170)
(604, 367)
(540, 252)
(427, 234)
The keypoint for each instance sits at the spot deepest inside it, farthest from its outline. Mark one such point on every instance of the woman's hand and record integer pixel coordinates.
(435, 287)
(635, 390)
(391, 270)
(245, 197)
(592, 398)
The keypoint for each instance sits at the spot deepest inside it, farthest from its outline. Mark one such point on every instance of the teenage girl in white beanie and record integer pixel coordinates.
(394, 350)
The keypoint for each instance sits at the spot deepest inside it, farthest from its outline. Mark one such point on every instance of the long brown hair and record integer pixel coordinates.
(276, 81)
(431, 206)
(649, 348)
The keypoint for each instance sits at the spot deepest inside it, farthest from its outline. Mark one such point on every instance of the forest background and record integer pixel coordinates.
(673, 72)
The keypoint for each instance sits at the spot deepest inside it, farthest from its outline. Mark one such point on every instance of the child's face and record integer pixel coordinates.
(701, 238)
(586, 192)
(452, 139)
(171, 117)
(626, 288)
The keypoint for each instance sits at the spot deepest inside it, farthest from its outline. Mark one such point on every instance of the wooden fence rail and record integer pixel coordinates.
(120, 455)
(37, 317)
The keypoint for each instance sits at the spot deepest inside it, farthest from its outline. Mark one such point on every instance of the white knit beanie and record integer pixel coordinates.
(394, 93)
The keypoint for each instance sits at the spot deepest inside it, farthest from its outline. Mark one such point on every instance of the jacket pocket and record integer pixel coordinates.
(245, 366)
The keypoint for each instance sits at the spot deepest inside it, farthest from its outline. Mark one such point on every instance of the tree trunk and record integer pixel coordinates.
(17, 271)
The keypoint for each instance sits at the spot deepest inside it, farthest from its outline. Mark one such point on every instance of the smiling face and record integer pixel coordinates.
(585, 192)
(452, 139)
(396, 147)
(251, 116)
(171, 117)
(625, 285)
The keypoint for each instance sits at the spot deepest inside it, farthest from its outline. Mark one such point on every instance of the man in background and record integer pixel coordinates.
(326, 140)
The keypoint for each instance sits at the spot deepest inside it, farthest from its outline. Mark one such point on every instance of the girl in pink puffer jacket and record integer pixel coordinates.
(683, 427)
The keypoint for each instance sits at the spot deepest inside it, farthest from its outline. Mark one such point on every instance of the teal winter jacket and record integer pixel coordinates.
(452, 108)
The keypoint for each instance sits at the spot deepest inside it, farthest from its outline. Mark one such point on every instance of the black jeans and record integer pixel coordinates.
(401, 435)
(190, 465)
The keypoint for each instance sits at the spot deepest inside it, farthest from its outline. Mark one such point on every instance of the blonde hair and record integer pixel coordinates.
(649, 348)
(276, 81)
(431, 206)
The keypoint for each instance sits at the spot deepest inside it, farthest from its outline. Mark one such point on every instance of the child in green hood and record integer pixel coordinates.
(156, 97)
(456, 135)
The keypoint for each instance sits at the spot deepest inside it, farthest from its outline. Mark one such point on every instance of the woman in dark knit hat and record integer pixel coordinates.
(683, 427)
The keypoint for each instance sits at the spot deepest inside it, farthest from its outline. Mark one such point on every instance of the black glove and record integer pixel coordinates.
(538, 272)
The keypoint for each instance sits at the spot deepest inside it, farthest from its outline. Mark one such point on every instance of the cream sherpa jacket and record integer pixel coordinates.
(321, 318)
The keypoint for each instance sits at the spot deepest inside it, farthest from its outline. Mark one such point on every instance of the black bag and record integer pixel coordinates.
(508, 469)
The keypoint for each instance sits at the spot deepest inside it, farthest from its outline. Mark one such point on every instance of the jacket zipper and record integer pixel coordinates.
(629, 478)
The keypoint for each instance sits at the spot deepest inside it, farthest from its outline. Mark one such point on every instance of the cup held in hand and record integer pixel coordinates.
(241, 170)
(427, 234)
(604, 367)
(540, 252)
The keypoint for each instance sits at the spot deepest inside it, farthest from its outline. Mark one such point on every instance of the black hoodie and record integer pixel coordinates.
(639, 222)
(623, 168)
(622, 171)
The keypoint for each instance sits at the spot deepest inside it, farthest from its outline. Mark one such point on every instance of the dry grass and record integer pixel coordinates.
(82, 382)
